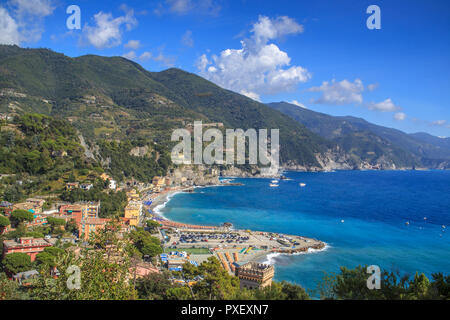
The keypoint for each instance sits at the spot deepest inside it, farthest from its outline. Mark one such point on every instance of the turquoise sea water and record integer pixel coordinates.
(375, 206)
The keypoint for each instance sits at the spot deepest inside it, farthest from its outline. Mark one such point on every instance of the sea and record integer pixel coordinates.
(397, 220)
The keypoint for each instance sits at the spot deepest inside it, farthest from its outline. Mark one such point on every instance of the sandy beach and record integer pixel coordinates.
(266, 245)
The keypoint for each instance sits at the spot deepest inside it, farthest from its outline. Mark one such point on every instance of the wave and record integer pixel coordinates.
(271, 258)
(158, 209)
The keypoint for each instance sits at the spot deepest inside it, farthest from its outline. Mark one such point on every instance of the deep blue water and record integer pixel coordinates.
(375, 206)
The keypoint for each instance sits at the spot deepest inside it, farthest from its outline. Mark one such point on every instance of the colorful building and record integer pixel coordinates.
(30, 246)
(133, 212)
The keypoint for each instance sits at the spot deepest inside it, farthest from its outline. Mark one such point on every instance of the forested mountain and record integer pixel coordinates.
(116, 99)
(362, 139)
(125, 115)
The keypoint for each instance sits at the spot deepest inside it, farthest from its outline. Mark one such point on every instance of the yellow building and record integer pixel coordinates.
(158, 181)
(132, 195)
(133, 212)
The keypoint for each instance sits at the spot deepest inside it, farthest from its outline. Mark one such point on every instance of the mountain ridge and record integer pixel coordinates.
(349, 132)
(113, 99)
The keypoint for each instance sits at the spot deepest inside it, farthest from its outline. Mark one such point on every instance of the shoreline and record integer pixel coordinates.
(266, 256)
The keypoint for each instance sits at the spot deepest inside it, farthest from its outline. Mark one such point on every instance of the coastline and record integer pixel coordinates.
(266, 256)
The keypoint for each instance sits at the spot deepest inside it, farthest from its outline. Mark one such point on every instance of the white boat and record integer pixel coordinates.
(273, 185)
(302, 184)
(274, 181)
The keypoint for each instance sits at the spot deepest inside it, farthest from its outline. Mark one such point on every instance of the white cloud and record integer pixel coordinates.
(107, 31)
(24, 22)
(258, 67)
(339, 93)
(182, 7)
(299, 104)
(251, 95)
(187, 39)
(372, 86)
(145, 56)
(39, 8)
(130, 55)
(179, 6)
(400, 116)
(384, 106)
(133, 44)
(441, 123)
(167, 61)
(9, 32)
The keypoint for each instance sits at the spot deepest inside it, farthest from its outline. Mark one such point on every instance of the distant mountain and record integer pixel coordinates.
(124, 111)
(115, 99)
(370, 142)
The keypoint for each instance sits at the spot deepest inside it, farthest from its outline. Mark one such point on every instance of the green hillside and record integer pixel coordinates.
(116, 99)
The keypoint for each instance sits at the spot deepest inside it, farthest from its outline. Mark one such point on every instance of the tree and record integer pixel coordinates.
(17, 262)
(49, 256)
(154, 286)
(216, 284)
(55, 223)
(9, 290)
(19, 216)
(152, 225)
(145, 243)
(440, 287)
(4, 222)
(352, 284)
(104, 271)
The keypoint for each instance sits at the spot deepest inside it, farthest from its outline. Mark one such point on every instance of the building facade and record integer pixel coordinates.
(254, 275)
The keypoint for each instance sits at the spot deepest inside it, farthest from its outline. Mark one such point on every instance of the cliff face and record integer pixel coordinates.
(194, 176)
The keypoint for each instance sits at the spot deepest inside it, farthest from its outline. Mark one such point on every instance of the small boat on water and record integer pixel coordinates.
(274, 181)
(302, 184)
(273, 185)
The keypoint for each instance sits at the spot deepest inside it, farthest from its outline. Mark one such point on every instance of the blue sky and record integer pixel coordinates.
(318, 54)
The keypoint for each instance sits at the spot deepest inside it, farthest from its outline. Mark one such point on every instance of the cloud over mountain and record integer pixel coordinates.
(107, 31)
(339, 93)
(24, 20)
(258, 67)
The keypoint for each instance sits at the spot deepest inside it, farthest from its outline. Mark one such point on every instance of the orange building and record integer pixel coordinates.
(29, 246)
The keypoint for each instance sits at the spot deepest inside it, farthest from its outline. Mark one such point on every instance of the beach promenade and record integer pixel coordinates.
(224, 242)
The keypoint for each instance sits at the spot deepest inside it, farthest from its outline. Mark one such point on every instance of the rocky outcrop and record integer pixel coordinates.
(139, 151)
(194, 176)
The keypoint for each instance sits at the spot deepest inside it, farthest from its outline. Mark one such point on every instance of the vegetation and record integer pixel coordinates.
(16, 262)
(104, 271)
(145, 243)
(4, 222)
(364, 141)
(116, 99)
(50, 256)
(18, 216)
(351, 284)
(123, 165)
(112, 203)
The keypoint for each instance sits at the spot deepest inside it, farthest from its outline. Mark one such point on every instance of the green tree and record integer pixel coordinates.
(217, 283)
(4, 222)
(9, 290)
(105, 271)
(152, 225)
(19, 216)
(49, 256)
(55, 223)
(17, 262)
(154, 286)
(145, 243)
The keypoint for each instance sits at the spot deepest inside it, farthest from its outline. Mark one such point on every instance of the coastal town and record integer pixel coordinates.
(240, 252)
